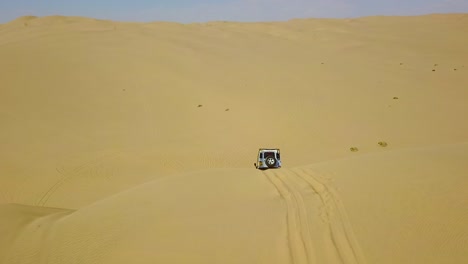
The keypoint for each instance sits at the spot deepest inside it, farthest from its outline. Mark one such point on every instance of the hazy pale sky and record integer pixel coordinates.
(233, 10)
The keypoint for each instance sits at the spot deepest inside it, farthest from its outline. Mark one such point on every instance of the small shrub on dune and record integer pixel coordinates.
(353, 149)
(383, 144)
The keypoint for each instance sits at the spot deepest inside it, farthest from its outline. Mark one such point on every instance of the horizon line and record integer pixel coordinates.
(30, 17)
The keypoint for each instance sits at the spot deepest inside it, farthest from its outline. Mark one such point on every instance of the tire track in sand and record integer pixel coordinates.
(335, 231)
(300, 241)
(342, 233)
(66, 175)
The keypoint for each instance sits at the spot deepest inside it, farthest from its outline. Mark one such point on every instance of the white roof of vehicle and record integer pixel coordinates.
(268, 149)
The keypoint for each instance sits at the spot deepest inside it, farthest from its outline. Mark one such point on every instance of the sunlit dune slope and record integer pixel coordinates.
(232, 216)
(90, 107)
(403, 206)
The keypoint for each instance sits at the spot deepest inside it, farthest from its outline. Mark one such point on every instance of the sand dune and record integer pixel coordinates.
(400, 210)
(405, 206)
(135, 141)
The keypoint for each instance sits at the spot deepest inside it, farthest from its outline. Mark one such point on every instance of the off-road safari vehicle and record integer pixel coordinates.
(268, 159)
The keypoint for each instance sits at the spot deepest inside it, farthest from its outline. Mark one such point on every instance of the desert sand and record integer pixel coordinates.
(134, 142)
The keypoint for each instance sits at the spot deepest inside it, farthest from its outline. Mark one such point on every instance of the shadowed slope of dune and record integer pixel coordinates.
(25, 232)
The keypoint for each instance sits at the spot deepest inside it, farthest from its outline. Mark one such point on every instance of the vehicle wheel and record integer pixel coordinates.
(270, 161)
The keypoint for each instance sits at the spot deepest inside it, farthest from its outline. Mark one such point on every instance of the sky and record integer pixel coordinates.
(188, 11)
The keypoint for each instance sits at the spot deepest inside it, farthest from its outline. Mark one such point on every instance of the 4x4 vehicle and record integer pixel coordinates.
(268, 159)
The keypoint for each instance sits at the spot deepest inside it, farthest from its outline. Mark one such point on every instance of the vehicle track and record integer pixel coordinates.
(342, 232)
(66, 175)
(310, 240)
(300, 242)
